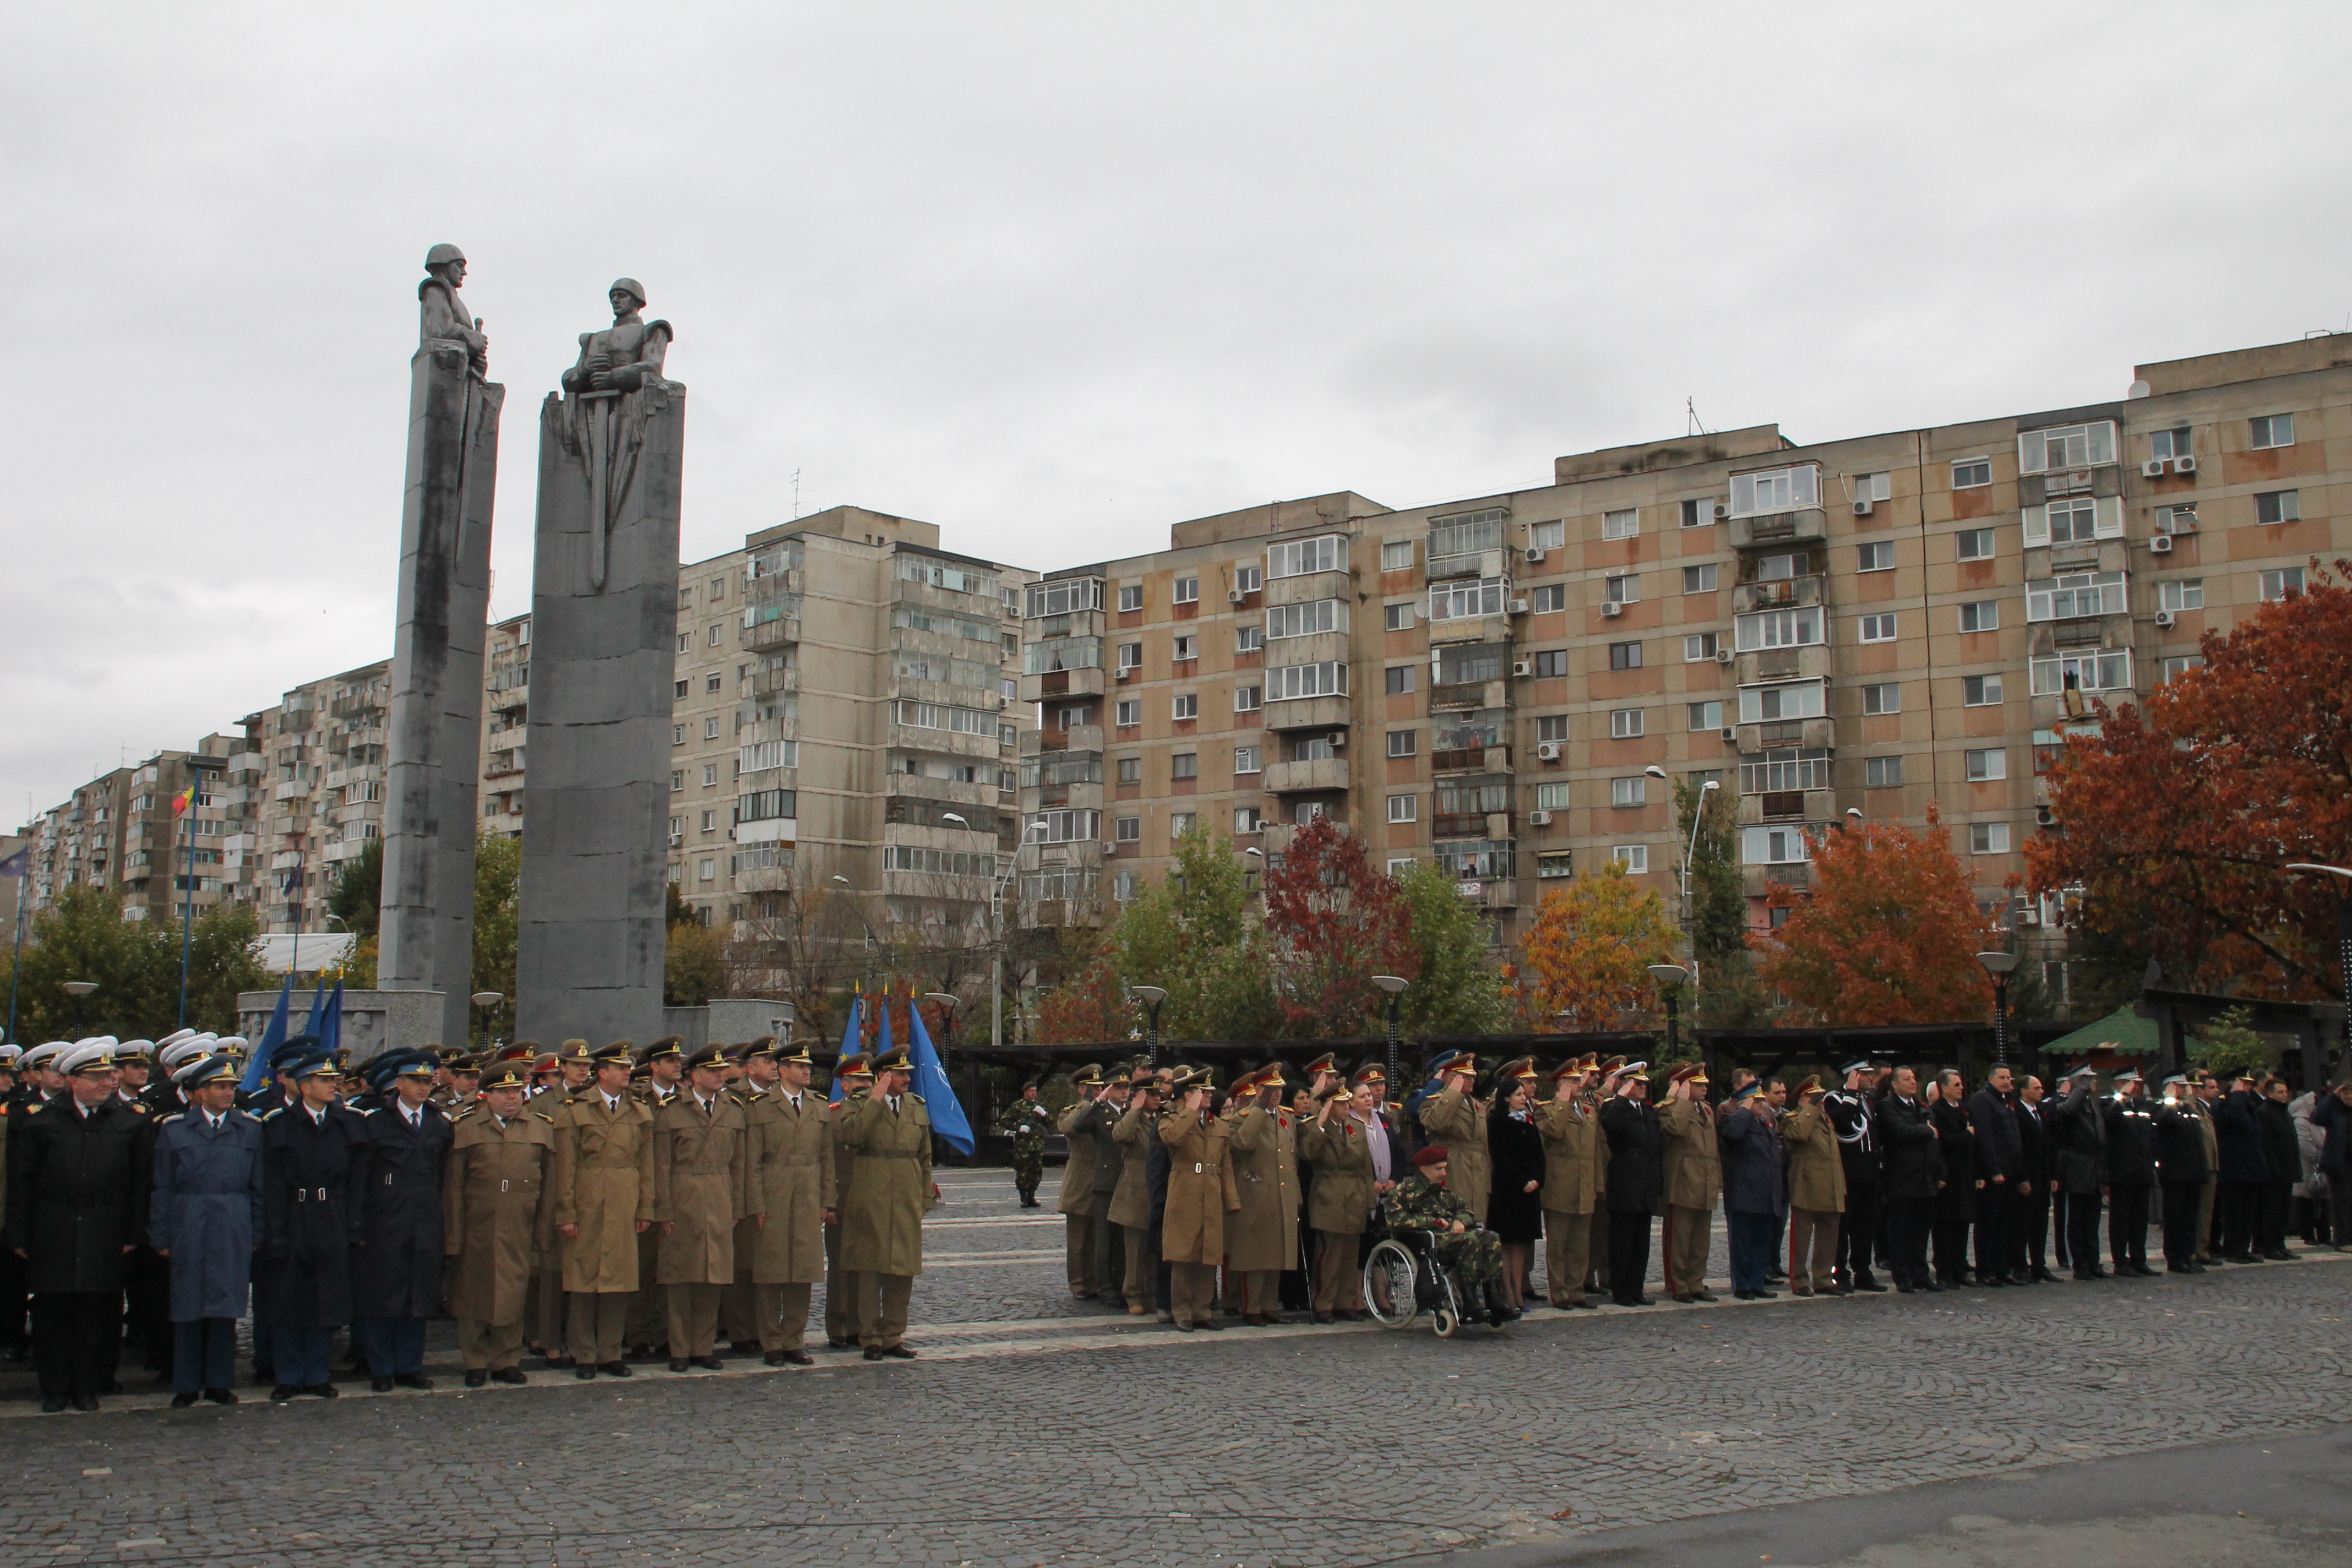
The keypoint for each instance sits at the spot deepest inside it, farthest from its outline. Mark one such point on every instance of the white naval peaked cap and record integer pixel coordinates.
(98, 1052)
(10, 1053)
(173, 1056)
(42, 1053)
(175, 1037)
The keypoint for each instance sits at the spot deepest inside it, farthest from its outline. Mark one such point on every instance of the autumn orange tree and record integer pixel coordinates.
(1333, 923)
(1092, 1006)
(2177, 814)
(1888, 935)
(1584, 961)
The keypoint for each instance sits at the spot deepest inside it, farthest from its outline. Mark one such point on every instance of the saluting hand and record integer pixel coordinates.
(572, 1232)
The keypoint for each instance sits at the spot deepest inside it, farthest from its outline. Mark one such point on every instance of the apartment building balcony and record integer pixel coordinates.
(358, 773)
(1757, 880)
(346, 740)
(772, 683)
(1309, 586)
(1469, 694)
(1490, 825)
(1808, 734)
(760, 636)
(356, 703)
(1778, 594)
(286, 859)
(246, 762)
(1788, 806)
(1077, 738)
(947, 601)
(1494, 563)
(1307, 714)
(290, 789)
(1080, 682)
(1315, 775)
(1065, 624)
(344, 849)
(1470, 760)
(1056, 797)
(1807, 524)
(1810, 662)
(503, 765)
(762, 871)
(512, 699)
(1495, 893)
(949, 792)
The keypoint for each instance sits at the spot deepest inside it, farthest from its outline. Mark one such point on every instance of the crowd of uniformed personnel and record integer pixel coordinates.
(600, 1206)
(590, 1205)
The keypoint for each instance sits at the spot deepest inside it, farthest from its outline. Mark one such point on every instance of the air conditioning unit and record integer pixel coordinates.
(2184, 464)
(2160, 544)
(1730, 733)
(1612, 609)
(1862, 509)
(1536, 555)
(1723, 656)
(2044, 817)
(1236, 596)
(1721, 511)
(1000, 703)
(1539, 819)
(1111, 848)
(1339, 739)
(1548, 751)
(2152, 469)
(675, 839)
(1519, 606)
(1125, 672)
(2165, 618)
(1524, 668)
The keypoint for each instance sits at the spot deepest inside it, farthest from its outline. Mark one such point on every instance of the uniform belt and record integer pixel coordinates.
(302, 1195)
(888, 1155)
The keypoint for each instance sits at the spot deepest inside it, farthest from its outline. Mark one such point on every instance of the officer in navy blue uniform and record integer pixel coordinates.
(397, 1270)
(314, 1152)
(2131, 1174)
(203, 1220)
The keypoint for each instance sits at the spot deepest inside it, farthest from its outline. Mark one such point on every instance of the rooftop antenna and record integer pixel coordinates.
(1690, 406)
(796, 493)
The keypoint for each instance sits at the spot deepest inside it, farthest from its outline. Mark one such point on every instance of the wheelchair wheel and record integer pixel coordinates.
(1389, 1275)
(1445, 1316)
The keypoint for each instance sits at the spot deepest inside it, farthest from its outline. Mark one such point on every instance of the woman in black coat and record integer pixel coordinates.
(1515, 1154)
(1956, 1201)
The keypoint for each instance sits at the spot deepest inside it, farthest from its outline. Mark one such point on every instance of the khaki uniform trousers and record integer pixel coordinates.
(1078, 1247)
(1568, 1241)
(645, 1324)
(1339, 1281)
(1143, 1267)
(594, 1332)
(882, 1306)
(491, 1347)
(841, 1322)
(1260, 1291)
(1193, 1287)
(2205, 1220)
(1596, 1248)
(543, 1326)
(693, 1311)
(1686, 1247)
(1813, 1248)
(782, 1312)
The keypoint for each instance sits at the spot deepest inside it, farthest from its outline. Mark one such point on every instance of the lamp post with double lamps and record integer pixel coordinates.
(1998, 965)
(1394, 985)
(1152, 997)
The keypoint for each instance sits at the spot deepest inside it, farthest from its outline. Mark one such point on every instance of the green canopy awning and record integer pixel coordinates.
(2122, 1031)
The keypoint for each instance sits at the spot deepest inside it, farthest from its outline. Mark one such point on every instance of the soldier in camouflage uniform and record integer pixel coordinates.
(1028, 1122)
(1420, 1203)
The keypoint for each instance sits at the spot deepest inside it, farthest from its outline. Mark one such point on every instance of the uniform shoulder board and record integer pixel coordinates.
(33, 1109)
(543, 1116)
(913, 1096)
(273, 1113)
(176, 1116)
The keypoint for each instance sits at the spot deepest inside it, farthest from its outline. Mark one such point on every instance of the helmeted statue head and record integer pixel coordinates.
(442, 255)
(631, 288)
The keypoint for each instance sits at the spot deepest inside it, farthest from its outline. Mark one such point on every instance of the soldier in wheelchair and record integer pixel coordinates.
(1434, 1256)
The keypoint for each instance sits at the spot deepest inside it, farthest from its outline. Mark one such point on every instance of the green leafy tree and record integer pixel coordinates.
(1730, 996)
(358, 896)
(1457, 990)
(694, 965)
(2228, 1046)
(497, 875)
(135, 965)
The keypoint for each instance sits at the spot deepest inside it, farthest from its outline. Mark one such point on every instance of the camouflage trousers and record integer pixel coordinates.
(1475, 1256)
(1028, 1170)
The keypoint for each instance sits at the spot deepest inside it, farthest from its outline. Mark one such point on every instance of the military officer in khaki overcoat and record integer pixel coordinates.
(604, 1201)
(1693, 1177)
(889, 1137)
(1200, 1194)
(1130, 1200)
(792, 1150)
(497, 1221)
(1338, 1148)
(1077, 1200)
(1816, 1192)
(1262, 1239)
(656, 1084)
(1455, 1120)
(1569, 1129)
(752, 1075)
(854, 1079)
(701, 1187)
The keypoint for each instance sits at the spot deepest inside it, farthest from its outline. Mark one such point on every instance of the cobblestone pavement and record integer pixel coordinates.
(1039, 1430)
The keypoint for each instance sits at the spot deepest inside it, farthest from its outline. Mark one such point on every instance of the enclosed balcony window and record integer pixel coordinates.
(2072, 447)
(1456, 600)
(1305, 620)
(1789, 770)
(1297, 557)
(1066, 595)
(1790, 700)
(2094, 669)
(2075, 594)
(1776, 491)
(1778, 628)
(1465, 535)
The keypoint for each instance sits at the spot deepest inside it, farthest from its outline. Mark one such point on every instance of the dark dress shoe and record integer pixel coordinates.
(1211, 1324)
(1869, 1286)
(1184, 1327)
(614, 1369)
(584, 1374)
(680, 1363)
(710, 1363)
(380, 1385)
(282, 1393)
(1931, 1288)
(413, 1380)
(834, 1344)
(221, 1395)
(323, 1391)
(799, 1358)
(509, 1374)
(54, 1406)
(478, 1378)
(85, 1403)
(1703, 1294)
(182, 1401)
(1323, 1317)
(562, 1362)
(1763, 1295)
(897, 1352)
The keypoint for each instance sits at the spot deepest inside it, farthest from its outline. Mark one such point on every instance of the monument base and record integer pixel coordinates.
(373, 1021)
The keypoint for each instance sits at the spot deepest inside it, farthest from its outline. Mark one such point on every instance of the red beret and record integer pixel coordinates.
(1433, 1155)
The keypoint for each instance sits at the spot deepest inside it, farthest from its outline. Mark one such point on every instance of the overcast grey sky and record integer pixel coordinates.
(1055, 277)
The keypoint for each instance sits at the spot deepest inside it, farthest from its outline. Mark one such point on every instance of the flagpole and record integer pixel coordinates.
(17, 962)
(188, 902)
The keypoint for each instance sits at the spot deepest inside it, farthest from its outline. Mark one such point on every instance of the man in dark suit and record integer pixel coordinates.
(2079, 1165)
(2131, 1174)
(2029, 1248)
(1912, 1171)
(2181, 1168)
(2000, 1167)
(1854, 1113)
(396, 1268)
(1637, 1184)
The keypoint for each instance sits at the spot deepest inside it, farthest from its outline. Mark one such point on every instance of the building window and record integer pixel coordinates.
(1878, 629)
(1184, 765)
(1623, 524)
(1130, 712)
(1455, 601)
(1246, 699)
(1789, 700)
(1985, 765)
(1249, 639)
(1296, 681)
(685, 640)
(1781, 568)
(2281, 582)
(1635, 858)
(1975, 543)
(709, 822)
(1400, 743)
(1400, 678)
(1179, 823)
(1186, 705)
(1130, 656)
(1777, 629)
(1397, 555)
(1786, 770)
(1980, 691)
(1980, 615)
(1696, 513)
(1988, 837)
(2166, 444)
(710, 682)
(1187, 590)
(1971, 473)
(2181, 593)
(1625, 589)
(2077, 520)
(1248, 820)
(1404, 808)
(2174, 668)
(1551, 797)
(1698, 647)
(1126, 830)
(1123, 886)
(1550, 596)
(2271, 430)
(1130, 770)
(1552, 727)
(1871, 487)
(1551, 662)
(1245, 759)
(1398, 618)
(1624, 723)
(710, 727)
(1706, 716)
(1881, 773)
(2097, 669)
(1547, 535)
(1556, 863)
(677, 735)
(2278, 506)
(715, 633)
(677, 826)
(677, 780)
(1634, 791)
(1699, 579)
(707, 871)
(1186, 649)
(1624, 655)
(2072, 447)
(1131, 596)
(1773, 845)
(1776, 491)
(2075, 594)
(1300, 556)
(683, 686)
(1878, 557)
(709, 775)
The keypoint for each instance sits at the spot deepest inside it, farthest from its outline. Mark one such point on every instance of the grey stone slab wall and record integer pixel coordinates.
(373, 1021)
(433, 747)
(594, 837)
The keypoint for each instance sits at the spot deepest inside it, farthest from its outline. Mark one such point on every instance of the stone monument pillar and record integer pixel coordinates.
(604, 653)
(433, 747)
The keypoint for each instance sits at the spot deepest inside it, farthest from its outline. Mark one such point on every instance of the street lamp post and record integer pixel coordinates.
(483, 1002)
(1152, 997)
(1998, 965)
(947, 1002)
(80, 991)
(1690, 851)
(1667, 976)
(1394, 985)
(996, 923)
(2343, 935)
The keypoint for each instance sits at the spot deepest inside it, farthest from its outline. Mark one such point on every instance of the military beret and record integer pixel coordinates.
(1433, 1155)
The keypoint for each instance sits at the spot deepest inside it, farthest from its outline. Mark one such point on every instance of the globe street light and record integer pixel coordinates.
(1152, 997)
(1999, 964)
(483, 1002)
(1667, 976)
(80, 991)
(1394, 985)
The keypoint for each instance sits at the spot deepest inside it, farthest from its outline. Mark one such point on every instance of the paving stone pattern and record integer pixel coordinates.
(1041, 1431)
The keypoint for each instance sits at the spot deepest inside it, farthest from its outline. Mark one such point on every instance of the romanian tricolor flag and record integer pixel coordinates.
(182, 801)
